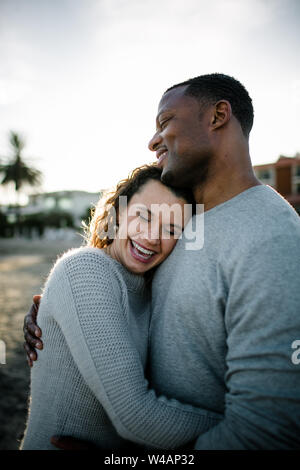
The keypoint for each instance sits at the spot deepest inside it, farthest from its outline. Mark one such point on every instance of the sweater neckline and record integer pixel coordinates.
(235, 199)
(134, 282)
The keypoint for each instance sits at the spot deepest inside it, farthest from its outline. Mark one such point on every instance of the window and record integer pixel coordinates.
(264, 174)
(50, 202)
(64, 203)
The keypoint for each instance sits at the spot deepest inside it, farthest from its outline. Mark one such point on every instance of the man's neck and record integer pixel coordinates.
(225, 181)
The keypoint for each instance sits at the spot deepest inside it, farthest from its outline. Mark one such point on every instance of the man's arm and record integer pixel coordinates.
(32, 332)
(262, 319)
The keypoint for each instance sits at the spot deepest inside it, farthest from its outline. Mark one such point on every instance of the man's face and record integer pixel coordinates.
(182, 139)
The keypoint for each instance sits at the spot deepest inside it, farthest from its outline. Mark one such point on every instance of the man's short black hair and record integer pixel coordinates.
(214, 87)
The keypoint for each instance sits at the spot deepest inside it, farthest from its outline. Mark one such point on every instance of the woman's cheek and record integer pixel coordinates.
(167, 246)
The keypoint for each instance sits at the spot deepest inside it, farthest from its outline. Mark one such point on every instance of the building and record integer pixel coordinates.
(284, 176)
(55, 215)
(75, 203)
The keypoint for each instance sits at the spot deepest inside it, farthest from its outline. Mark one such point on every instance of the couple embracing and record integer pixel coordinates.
(148, 344)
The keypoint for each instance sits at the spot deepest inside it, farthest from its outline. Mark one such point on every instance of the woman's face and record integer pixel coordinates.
(149, 227)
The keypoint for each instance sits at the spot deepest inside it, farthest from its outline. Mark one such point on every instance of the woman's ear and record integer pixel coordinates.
(222, 114)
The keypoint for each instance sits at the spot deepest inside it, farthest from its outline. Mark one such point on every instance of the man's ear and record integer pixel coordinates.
(222, 114)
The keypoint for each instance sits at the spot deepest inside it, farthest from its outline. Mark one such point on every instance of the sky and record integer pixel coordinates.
(81, 80)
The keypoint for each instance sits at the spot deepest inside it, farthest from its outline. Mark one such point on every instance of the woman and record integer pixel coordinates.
(89, 380)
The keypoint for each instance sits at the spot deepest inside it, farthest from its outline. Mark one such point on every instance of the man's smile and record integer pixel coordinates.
(161, 154)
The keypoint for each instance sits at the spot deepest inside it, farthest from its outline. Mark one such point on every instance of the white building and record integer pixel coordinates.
(74, 202)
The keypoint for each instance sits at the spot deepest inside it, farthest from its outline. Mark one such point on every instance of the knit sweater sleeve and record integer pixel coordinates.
(87, 300)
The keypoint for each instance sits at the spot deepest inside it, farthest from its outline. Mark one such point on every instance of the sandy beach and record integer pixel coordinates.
(24, 266)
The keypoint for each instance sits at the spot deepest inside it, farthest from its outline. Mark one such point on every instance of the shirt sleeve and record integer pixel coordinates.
(262, 409)
(89, 305)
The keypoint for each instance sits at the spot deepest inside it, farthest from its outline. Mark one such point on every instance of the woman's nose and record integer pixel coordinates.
(153, 235)
(154, 142)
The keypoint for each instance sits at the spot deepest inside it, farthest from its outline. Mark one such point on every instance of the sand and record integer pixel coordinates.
(24, 266)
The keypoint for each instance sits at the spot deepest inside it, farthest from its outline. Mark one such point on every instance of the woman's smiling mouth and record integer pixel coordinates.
(140, 253)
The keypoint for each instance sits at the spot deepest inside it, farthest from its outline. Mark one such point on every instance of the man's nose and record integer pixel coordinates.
(154, 142)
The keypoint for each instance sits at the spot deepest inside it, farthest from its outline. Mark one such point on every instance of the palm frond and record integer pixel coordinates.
(17, 171)
(16, 142)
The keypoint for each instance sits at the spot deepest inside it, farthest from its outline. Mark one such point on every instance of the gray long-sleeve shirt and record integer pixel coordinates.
(224, 319)
(89, 380)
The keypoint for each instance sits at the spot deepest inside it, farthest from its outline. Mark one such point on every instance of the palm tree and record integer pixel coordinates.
(16, 171)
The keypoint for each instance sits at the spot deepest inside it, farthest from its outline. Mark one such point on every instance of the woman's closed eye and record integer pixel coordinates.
(143, 216)
(172, 231)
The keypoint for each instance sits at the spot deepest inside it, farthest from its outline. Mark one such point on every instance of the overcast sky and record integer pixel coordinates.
(81, 79)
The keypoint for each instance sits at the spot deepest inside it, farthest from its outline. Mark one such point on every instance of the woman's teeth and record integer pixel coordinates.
(142, 251)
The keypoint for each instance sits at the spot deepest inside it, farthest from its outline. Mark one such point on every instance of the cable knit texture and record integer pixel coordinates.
(89, 379)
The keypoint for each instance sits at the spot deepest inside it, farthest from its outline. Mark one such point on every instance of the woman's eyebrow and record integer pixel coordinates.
(144, 208)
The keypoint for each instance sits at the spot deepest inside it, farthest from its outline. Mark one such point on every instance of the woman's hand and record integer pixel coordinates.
(32, 333)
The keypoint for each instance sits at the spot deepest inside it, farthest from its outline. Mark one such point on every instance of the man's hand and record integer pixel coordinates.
(71, 443)
(32, 333)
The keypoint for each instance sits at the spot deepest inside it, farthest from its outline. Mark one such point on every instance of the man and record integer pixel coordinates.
(224, 317)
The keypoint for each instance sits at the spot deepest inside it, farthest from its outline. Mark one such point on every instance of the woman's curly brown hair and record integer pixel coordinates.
(103, 225)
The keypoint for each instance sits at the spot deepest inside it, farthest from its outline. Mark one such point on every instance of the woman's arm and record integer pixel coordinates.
(88, 304)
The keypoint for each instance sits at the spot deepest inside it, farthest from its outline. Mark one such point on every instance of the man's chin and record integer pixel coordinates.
(167, 176)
